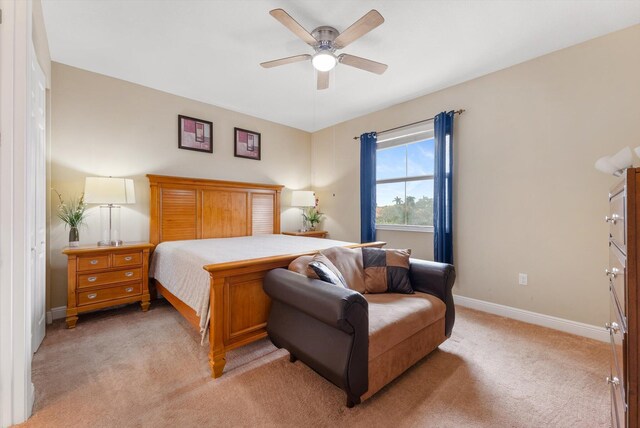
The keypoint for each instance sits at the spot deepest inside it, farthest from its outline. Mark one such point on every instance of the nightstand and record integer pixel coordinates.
(99, 277)
(309, 233)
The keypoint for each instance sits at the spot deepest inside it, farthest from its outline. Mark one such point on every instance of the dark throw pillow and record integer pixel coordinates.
(386, 271)
(301, 266)
(326, 271)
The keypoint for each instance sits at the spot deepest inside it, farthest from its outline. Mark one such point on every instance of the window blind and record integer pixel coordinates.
(407, 135)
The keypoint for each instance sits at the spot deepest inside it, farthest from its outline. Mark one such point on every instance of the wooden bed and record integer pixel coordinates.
(187, 208)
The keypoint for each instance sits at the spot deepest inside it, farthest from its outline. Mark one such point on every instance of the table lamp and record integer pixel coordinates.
(303, 199)
(109, 192)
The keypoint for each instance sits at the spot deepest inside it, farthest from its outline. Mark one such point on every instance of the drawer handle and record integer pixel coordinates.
(128, 258)
(613, 219)
(612, 273)
(128, 289)
(92, 295)
(612, 326)
(94, 262)
(613, 381)
(92, 278)
(128, 274)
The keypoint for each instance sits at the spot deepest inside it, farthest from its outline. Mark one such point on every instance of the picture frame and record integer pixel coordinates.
(195, 134)
(247, 144)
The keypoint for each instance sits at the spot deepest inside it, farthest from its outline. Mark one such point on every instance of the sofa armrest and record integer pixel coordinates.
(325, 326)
(436, 279)
(325, 302)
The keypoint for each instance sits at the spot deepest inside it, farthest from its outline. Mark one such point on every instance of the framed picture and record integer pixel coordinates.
(246, 144)
(195, 134)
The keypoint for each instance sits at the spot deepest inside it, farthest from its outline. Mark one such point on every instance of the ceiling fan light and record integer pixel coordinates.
(324, 61)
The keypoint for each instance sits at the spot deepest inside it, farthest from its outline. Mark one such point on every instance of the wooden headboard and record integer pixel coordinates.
(191, 208)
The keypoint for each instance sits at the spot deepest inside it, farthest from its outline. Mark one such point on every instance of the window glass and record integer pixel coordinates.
(391, 163)
(419, 202)
(420, 159)
(390, 206)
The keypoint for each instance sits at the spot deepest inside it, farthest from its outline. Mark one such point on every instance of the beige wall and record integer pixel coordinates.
(103, 126)
(527, 197)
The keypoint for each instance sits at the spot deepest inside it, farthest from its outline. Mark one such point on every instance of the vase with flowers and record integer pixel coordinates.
(313, 217)
(73, 214)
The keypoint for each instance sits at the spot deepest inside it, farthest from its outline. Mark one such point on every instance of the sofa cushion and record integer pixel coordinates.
(386, 270)
(393, 362)
(394, 317)
(349, 263)
(301, 266)
(326, 271)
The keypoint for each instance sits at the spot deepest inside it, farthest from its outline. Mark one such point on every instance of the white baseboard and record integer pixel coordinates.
(568, 326)
(573, 327)
(56, 314)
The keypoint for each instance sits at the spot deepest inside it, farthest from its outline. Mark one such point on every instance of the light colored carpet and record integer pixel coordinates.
(127, 368)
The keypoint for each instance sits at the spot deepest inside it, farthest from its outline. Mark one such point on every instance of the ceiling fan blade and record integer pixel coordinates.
(297, 29)
(362, 63)
(287, 60)
(358, 29)
(323, 80)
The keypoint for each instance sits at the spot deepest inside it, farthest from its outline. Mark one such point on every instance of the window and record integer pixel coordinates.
(404, 174)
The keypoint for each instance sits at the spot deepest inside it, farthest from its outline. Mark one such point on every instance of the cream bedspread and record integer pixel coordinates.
(178, 264)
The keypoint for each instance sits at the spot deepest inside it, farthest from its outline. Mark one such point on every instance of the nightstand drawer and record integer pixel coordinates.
(127, 259)
(93, 262)
(93, 279)
(96, 296)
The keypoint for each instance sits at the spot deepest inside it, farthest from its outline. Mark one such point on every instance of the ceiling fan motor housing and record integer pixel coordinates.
(325, 36)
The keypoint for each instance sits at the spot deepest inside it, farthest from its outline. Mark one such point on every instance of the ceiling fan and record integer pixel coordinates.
(326, 41)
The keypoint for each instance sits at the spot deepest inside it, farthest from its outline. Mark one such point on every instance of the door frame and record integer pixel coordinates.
(36, 200)
(16, 388)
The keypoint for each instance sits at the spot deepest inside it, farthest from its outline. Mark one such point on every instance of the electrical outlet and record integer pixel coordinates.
(522, 279)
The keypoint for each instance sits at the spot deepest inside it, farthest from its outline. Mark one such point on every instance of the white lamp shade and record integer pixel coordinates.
(623, 159)
(303, 198)
(109, 190)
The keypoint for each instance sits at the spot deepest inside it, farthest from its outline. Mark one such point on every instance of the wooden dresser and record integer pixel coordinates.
(623, 277)
(99, 277)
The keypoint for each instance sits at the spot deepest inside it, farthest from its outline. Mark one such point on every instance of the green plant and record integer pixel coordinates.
(72, 213)
(312, 216)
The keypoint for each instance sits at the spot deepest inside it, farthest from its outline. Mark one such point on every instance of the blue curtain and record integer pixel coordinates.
(443, 188)
(368, 186)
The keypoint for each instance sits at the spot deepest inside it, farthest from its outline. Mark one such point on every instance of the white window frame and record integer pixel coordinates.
(397, 138)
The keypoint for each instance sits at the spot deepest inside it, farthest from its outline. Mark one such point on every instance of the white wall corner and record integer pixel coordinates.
(56, 313)
(567, 326)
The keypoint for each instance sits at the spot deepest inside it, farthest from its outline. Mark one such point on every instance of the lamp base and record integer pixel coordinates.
(110, 243)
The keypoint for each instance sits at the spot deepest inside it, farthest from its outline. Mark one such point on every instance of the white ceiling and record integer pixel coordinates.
(210, 50)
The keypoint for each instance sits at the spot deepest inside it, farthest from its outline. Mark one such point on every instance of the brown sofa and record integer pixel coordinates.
(360, 342)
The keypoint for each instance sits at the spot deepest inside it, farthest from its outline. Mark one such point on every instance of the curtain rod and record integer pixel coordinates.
(414, 123)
